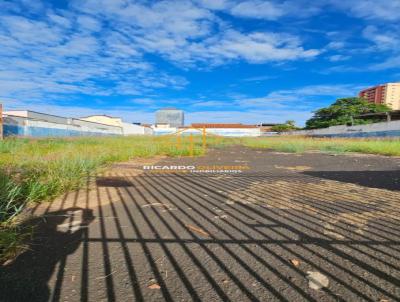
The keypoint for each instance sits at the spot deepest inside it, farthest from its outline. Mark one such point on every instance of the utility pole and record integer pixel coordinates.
(1, 121)
(191, 146)
(388, 117)
(204, 139)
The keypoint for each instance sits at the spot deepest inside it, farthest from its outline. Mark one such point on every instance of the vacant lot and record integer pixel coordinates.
(255, 235)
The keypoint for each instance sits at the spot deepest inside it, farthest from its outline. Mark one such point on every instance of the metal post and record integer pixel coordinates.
(178, 141)
(388, 117)
(204, 139)
(191, 144)
(1, 121)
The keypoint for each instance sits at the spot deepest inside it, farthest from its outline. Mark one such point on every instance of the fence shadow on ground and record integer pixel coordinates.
(218, 238)
(251, 249)
(388, 180)
(26, 279)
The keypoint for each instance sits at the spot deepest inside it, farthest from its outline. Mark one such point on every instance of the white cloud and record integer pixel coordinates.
(258, 9)
(260, 78)
(214, 4)
(338, 58)
(175, 18)
(76, 46)
(120, 45)
(213, 104)
(46, 57)
(385, 10)
(187, 34)
(336, 45)
(267, 10)
(29, 32)
(248, 117)
(383, 40)
(88, 23)
(58, 20)
(143, 101)
(70, 51)
(371, 9)
(391, 63)
(232, 45)
(304, 96)
(261, 47)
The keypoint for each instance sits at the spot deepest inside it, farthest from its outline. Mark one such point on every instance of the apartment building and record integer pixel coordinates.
(170, 117)
(388, 94)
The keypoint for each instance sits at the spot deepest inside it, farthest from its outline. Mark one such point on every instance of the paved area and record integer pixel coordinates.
(260, 235)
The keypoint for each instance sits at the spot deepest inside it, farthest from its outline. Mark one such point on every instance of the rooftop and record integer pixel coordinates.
(105, 115)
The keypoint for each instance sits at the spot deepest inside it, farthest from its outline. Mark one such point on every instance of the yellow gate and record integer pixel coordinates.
(188, 140)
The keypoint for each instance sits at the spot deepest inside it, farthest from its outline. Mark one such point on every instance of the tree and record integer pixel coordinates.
(344, 112)
(287, 126)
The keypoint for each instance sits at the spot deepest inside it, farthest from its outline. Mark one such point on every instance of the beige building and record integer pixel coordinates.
(388, 94)
(104, 119)
(127, 128)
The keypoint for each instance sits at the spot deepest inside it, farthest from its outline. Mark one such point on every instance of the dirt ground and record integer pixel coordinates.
(259, 235)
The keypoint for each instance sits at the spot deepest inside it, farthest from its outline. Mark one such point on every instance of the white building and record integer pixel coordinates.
(127, 129)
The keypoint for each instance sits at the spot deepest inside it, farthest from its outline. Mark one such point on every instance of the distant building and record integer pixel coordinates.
(388, 94)
(104, 119)
(127, 128)
(170, 117)
(26, 123)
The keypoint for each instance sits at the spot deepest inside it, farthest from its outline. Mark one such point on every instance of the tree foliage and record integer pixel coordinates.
(287, 126)
(343, 112)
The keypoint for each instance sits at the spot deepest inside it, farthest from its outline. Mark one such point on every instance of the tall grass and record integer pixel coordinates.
(338, 145)
(35, 170)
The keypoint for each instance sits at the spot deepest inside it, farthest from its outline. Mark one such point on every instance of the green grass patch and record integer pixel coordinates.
(338, 145)
(12, 240)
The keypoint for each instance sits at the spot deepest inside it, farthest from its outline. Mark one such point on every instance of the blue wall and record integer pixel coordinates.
(14, 130)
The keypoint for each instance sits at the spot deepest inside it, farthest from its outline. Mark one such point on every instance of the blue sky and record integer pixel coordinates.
(219, 60)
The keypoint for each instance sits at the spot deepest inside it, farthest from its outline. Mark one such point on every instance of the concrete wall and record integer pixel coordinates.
(164, 131)
(20, 126)
(148, 131)
(385, 129)
(94, 125)
(132, 129)
(233, 132)
(13, 126)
